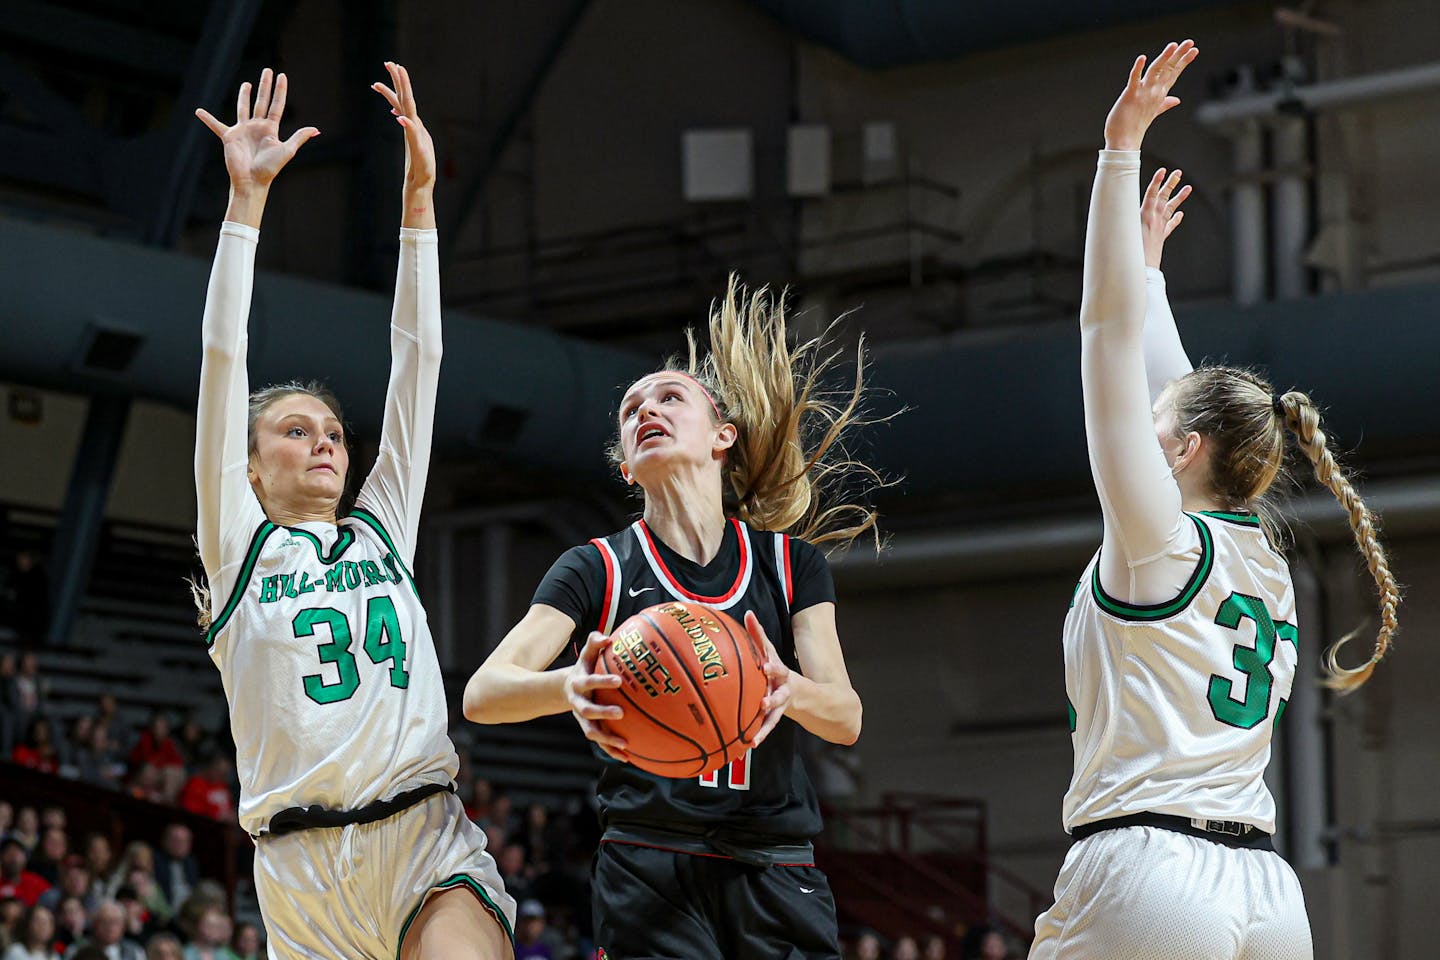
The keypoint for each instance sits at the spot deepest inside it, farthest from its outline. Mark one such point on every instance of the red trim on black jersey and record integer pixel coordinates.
(789, 578)
(608, 597)
(679, 588)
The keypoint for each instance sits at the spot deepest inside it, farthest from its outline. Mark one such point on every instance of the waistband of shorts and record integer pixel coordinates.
(293, 819)
(711, 842)
(1229, 833)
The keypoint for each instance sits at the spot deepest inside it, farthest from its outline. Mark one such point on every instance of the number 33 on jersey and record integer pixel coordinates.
(1183, 692)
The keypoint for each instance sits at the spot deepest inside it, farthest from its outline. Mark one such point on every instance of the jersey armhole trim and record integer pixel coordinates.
(782, 567)
(369, 519)
(1150, 612)
(242, 580)
(610, 600)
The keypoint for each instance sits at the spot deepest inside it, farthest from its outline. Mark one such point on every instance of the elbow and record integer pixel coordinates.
(850, 730)
(473, 702)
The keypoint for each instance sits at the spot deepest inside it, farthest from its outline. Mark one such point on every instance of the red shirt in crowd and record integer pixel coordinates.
(209, 798)
(27, 888)
(34, 759)
(161, 755)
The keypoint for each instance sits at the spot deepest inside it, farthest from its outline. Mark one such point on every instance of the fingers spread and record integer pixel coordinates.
(277, 105)
(262, 93)
(216, 127)
(389, 95)
(242, 103)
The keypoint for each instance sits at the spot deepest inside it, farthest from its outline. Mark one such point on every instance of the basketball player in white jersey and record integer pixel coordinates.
(336, 698)
(1181, 642)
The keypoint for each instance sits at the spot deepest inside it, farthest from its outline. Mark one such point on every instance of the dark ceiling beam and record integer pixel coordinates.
(94, 38)
(474, 187)
(180, 150)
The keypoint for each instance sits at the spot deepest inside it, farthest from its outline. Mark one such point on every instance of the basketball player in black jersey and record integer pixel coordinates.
(727, 454)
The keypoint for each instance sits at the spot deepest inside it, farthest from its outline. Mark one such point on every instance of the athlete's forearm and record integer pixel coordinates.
(831, 711)
(509, 693)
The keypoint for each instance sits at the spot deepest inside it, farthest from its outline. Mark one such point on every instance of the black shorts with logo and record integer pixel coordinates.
(659, 904)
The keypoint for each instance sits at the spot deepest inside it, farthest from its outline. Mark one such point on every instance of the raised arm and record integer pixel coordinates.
(396, 486)
(1160, 214)
(254, 153)
(1138, 495)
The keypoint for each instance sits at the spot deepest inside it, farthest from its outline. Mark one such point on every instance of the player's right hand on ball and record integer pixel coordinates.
(581, 680)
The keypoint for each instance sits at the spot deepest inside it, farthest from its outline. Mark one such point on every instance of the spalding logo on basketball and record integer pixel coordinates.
(691, 687)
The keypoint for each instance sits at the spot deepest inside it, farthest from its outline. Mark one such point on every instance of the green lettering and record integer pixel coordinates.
(269, 589)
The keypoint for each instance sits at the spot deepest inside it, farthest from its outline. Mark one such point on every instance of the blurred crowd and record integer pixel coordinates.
(76, 897)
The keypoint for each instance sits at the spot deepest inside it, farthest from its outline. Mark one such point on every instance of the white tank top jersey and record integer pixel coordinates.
(1172, 705)
(335, 691)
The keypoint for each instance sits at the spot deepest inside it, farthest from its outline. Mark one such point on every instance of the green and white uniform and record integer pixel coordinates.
(335, 691)
(1180, 651)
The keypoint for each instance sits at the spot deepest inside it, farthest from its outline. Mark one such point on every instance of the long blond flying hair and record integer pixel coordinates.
(789, 469)
(1245, 425)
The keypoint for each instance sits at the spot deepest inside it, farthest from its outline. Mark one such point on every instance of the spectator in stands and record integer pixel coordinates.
(97, 761)
(26, 829)
(208, 791)
(994, 946)
(867, 946)
(905, 948)
(140, 923)
(212, 937)
(137, 856)
(11, 910)
(50, 855)
(158, 749)
(107, 934)
(535, 836)
(37, 750)
(72, 921)
(529, 930)
(9, 704)
(482, 794)
(246, 943)
(519, 882)
(30, 605)
(30, 687)
(72, 744)
(100, 858)
(195, 744)
(15, 880)
(53, 817)
(175, 868)
(934, 947)
(147, 784)
(34, 937)
(74, 881)
(502, 813)
(107, 718)
(164, 946)
(7, 818)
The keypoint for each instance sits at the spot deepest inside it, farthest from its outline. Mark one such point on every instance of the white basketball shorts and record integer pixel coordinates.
(353, 891)
(1144, 893)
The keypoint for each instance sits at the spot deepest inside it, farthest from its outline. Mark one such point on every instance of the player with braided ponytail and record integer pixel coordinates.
(1182, 639)
(1303, 419)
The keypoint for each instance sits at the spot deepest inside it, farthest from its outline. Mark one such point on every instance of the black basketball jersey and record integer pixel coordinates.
(766, 795)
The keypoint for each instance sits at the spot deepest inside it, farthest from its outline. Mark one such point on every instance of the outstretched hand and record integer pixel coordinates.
(419, 148)
(1160, 213)
(254, 152)
(1147, 95)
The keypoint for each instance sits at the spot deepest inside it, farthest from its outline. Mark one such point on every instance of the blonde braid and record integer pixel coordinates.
(1303, 420)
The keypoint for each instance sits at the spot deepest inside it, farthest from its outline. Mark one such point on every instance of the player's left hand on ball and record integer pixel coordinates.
(778, 677)
(581, 681)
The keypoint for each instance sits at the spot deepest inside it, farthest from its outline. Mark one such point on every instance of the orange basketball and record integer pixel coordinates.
(691, 686)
